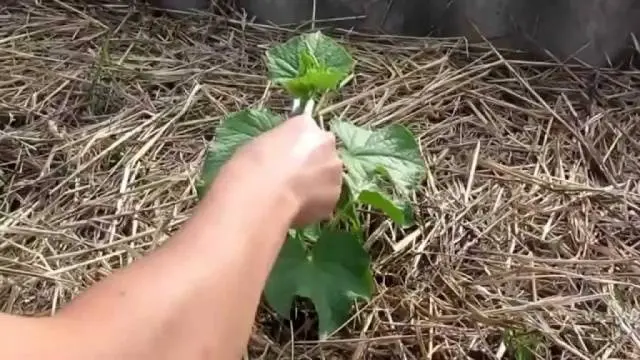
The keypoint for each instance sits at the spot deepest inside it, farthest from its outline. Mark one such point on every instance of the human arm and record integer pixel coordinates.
(195, 297)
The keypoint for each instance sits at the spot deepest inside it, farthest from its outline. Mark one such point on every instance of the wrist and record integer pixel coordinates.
(255, 193)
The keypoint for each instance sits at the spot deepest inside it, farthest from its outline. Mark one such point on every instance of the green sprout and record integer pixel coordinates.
(327, 262)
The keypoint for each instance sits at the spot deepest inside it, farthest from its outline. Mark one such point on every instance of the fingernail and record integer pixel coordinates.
(308, 107)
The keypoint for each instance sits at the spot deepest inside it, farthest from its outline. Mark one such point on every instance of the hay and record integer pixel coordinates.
(529, 220)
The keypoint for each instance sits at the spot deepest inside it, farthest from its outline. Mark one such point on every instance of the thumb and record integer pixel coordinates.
(305, 120)
(309, 136)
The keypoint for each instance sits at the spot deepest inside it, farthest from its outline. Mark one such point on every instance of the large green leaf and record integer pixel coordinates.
(236, 130)
(332, 276)
(390, 155)
(309, 64)
(391, 151)
(398, 211)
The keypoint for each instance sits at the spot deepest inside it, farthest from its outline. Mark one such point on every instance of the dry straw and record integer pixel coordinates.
(529, 230)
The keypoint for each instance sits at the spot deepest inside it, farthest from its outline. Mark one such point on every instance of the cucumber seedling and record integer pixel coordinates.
(327, 262)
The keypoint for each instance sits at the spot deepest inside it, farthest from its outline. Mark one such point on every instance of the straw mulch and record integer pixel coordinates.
(529, 233)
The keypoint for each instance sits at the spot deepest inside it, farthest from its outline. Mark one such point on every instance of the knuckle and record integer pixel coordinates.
(331, 137)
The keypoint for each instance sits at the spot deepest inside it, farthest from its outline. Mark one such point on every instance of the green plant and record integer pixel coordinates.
(521, 345)
(326, 262)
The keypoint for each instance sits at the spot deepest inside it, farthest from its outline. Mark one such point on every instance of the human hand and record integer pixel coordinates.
(299, 160)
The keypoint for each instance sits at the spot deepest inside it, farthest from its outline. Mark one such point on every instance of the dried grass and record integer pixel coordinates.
(529, 229)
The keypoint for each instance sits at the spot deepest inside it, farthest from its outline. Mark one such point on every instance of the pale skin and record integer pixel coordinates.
(196, 296)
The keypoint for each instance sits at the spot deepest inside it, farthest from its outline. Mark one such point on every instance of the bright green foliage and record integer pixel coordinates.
(326, 262)
(398, 211)
(333, 274)
(236, 130)
(391, 151)
(309, 65)
(521, 345)
(378, 160)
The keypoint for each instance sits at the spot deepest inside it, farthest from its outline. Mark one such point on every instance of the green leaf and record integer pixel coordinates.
(376, 159)
(309, 65)
(397, 211)
(236, 130)
(522, 346)
(391, 152)
(312, 232)
(309, 233)
(332, 276)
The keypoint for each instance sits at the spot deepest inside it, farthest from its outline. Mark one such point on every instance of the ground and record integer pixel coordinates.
(529, 221)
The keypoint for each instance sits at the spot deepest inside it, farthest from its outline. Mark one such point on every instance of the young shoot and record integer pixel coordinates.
(327, 262)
